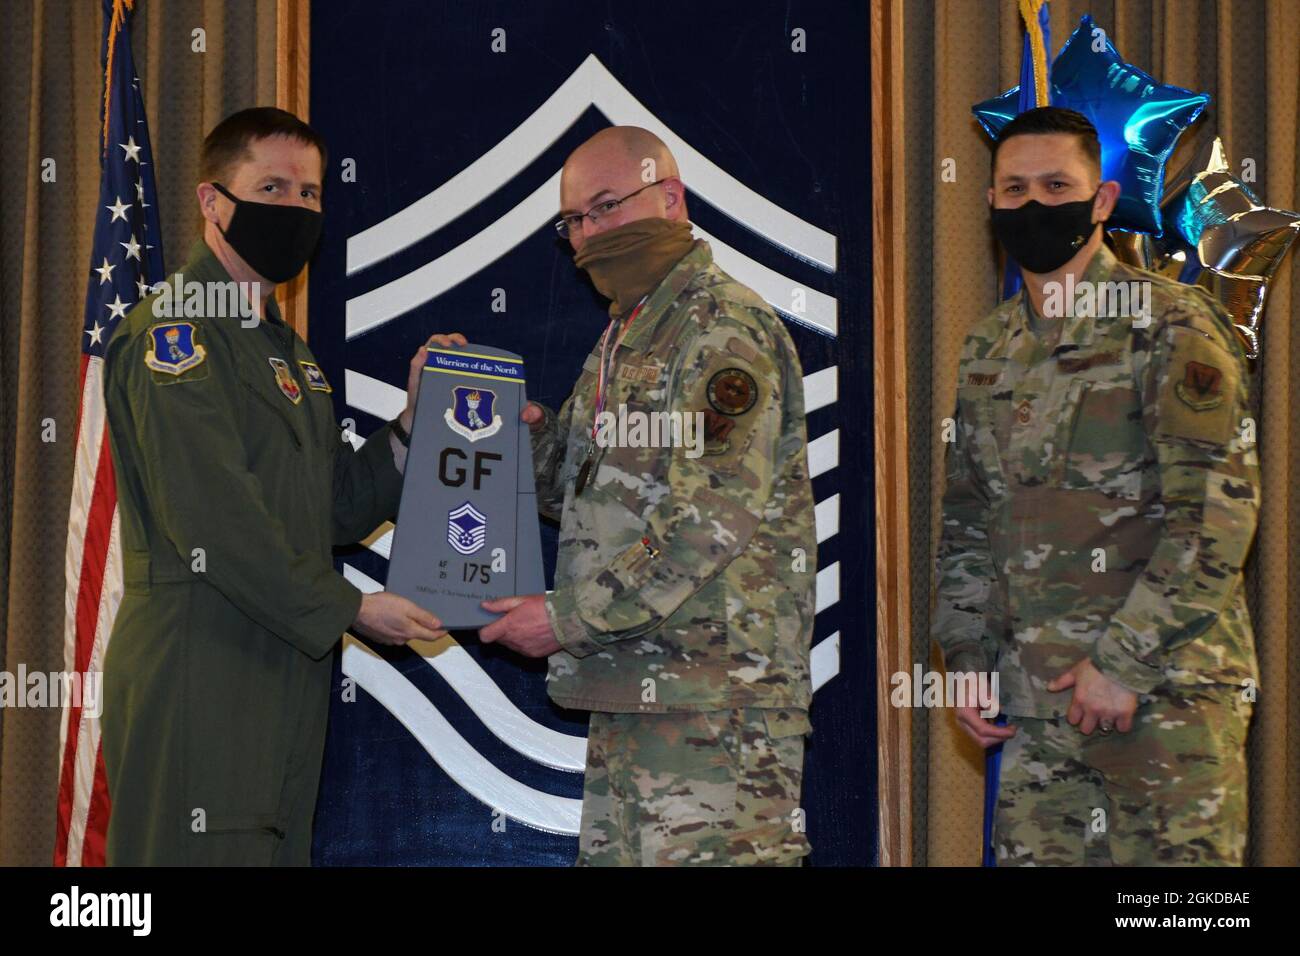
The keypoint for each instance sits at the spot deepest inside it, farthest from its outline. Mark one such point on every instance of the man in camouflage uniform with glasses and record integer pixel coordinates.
(682, 613)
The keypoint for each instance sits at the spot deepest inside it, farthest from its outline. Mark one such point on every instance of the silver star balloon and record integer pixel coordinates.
(1219, 234)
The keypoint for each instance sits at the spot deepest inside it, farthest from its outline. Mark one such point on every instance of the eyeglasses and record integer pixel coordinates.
(562, 226)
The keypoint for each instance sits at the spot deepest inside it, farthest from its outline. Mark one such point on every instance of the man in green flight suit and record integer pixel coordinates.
(683, 607)
(233, 484)
(1102, 494)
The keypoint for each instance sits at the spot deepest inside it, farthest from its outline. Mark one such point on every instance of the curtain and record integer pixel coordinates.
(51, 93)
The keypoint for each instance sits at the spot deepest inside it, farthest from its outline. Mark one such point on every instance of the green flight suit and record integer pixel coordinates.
(233, 484)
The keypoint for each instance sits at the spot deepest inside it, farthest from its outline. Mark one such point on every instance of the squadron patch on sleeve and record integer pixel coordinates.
(1199, 382)
(173, 348)
(1201, 387)
(716, 429)
(732, 391)
(315, 377)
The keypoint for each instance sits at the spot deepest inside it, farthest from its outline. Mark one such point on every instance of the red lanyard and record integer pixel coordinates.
(606, 369)
(602, 387)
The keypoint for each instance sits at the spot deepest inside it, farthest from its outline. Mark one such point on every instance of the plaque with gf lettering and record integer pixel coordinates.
(467, 527)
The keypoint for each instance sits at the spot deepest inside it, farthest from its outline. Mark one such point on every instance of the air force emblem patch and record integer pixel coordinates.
(174, 350)
(466, 529)
(1201, 387)
(472, 414)
(314, 376)
(284, 378)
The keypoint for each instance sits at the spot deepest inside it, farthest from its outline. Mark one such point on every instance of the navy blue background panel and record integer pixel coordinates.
(411, 95)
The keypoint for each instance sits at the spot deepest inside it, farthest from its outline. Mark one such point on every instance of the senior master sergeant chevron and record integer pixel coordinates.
(1101, 498)
(682, 613)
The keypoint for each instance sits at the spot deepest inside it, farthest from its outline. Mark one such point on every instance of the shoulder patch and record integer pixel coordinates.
(173, 348)
(1201, 387)
(732, 391)
(1198, 388)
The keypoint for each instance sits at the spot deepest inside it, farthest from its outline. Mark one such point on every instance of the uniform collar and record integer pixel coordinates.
(204, 266)
(699, 258)
(1018, 341)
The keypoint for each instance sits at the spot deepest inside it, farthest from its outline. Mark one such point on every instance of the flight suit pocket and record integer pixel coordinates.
(1103, 441)
(135, 570)
(240, 840)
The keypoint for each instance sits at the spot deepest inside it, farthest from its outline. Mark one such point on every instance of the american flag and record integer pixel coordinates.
(125, 260)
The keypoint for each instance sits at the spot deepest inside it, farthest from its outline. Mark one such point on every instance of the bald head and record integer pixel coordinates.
(617, 161)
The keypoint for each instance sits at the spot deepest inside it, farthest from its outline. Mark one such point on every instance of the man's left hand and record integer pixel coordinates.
(1098, 700)
(524, 626)
(407, 417)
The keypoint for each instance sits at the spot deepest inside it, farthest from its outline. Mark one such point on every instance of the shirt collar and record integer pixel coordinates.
(204, 266)
(1018, 340)
(666, 292)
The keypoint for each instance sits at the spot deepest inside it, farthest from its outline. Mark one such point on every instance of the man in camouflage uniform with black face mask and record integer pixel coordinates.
(682, 613)
(1101, 498)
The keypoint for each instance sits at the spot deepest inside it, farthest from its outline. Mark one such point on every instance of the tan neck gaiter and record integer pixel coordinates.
(628, 261)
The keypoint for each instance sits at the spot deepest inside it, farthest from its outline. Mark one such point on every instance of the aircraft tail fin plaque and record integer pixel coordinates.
(467, 528)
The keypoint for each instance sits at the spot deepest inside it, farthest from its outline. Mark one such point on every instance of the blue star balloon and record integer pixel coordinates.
(998, 112)
(1138, 119)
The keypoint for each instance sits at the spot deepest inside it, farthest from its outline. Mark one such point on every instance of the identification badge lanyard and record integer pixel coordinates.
(602, 389)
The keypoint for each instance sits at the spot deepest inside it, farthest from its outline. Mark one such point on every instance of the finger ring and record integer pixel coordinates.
(1105, 727)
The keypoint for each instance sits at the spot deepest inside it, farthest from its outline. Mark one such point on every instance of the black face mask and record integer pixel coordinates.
(275, 240)
(1043, 238)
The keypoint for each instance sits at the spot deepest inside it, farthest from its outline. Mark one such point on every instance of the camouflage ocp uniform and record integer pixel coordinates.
(1102, 494)
(684, 584)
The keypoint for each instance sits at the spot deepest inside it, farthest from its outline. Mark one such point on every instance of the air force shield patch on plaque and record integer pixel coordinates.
(472, 413)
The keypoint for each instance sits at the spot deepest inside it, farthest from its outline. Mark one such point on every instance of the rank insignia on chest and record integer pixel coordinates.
(472, 414)
(466, 529)
(173, 348)
(1024, 412)
(732, 391)
(314, 376)
(1201, 387)
(285, 380)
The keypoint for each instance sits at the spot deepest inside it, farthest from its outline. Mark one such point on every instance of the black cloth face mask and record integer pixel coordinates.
(276, 240)
(1043, 238)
